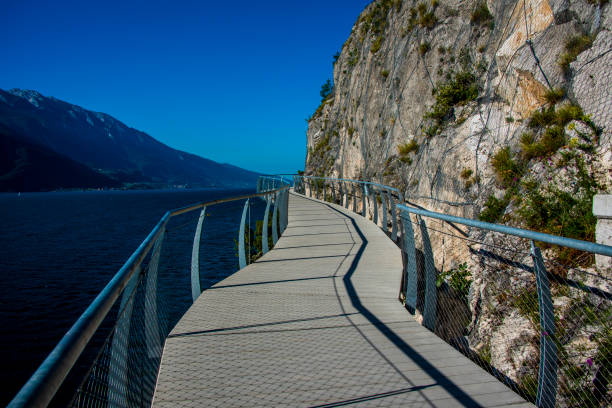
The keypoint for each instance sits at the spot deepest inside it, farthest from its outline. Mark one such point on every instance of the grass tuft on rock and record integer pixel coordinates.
(573, 47)
(481, 14)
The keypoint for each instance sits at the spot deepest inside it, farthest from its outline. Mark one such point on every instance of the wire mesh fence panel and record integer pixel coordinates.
(489, 304)
(124, 372)
(583, 323)
(112, 354)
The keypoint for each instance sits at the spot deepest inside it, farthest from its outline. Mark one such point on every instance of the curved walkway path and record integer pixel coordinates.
(316, 323)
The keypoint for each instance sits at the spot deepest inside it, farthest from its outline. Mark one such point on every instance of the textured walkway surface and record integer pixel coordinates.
(316, 322)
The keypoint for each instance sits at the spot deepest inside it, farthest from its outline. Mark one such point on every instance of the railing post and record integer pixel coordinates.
(375, 201)
(264, 228)
(310, 187)
(317, 189)
(333, 191)
(241, 253)
(324, 190)
(275, 218)
(152, 332)
(410, 271)
(547, 376)
(286, 210)
(281, 211)
(431, 294)
(117, 376)
(195, 258)
(383, 197)
(354, 198)
(364, 194)
(346, 195)
(394, 218)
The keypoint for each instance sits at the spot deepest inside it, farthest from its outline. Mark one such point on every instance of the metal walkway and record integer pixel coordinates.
(316, 322)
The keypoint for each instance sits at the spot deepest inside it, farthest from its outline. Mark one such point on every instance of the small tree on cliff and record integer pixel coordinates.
(326, 89)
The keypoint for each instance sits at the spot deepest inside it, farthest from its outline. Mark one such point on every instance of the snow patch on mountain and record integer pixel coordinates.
(31, 96)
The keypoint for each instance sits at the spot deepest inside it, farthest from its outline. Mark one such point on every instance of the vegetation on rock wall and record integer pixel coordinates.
(547, 179)
(404, 151)
(481, 15)
(375, 22)
(326, 90)
(459, 279)
(573, 47)
(422, 16)
(460, 89)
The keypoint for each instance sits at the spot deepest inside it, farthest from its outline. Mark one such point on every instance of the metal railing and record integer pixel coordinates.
(545, 327)
(542, 327)
(132, 301)
(375, 200)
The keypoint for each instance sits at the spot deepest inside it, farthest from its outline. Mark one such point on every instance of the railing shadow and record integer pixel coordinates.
(459, 395)
(260, 325)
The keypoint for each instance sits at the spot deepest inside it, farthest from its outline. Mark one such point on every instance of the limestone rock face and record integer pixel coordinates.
(511, 346)
(405, 75)
(400, 53)
(391, 63)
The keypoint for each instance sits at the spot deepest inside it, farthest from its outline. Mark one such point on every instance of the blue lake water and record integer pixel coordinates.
(58, 250)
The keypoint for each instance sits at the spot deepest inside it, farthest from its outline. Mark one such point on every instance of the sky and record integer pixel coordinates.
(229, 81)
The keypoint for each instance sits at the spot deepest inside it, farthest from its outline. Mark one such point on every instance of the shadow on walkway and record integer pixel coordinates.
(441, 380)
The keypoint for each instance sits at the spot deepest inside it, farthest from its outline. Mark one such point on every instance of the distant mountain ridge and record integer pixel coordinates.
(25, 166)
(103, 144)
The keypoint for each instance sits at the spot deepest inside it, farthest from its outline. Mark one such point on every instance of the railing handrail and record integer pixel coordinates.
(279, 177)
(49, 376)
(519, 232)
(200, 205)
(371, 183)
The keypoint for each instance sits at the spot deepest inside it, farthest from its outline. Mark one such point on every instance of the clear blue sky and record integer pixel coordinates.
(230, 81)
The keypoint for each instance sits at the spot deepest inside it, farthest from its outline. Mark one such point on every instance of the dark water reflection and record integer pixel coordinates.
(58, 250)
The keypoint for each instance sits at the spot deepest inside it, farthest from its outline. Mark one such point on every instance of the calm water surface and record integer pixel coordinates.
(58, 250)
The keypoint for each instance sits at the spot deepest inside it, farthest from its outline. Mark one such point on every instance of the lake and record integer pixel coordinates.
(59, 249)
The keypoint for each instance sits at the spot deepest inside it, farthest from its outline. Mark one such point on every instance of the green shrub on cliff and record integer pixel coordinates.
(557, 198)
(481, 14)
(375, 22)
(554, 95)
(459, 279)
(508, 167)
(493, 209)
(326, 89)
(459, 90)
(424, 47)
(407, 148)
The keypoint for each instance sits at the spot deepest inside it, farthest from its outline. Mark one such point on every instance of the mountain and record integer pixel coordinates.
(106, 145)
(26, 166)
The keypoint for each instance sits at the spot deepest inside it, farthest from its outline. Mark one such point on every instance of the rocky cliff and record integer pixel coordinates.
(396, 116)
(498, 110)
